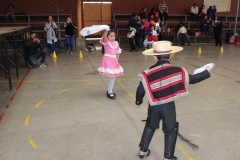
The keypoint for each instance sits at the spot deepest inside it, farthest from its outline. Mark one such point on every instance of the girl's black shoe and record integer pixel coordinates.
(111, 95)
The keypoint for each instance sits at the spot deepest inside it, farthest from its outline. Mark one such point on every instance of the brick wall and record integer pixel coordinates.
(118, 6)
(41, 7)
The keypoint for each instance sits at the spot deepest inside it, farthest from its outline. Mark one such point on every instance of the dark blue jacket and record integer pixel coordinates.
(133, 22)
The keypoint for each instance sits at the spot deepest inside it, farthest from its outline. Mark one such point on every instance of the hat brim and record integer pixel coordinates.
(174, 49)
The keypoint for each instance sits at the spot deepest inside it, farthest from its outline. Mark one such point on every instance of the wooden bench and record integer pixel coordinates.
(209, 37)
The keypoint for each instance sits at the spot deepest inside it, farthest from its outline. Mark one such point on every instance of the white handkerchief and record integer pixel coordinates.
(199, 70)
(93, 29)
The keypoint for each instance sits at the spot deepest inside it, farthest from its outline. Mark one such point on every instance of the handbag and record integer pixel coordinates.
(55, 31)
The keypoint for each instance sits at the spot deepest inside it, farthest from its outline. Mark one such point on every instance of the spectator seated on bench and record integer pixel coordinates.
(10, 13)
(168, 36)
(163, 10)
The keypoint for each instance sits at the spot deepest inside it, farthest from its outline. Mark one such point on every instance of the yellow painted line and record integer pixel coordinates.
(235, 97)
(92, 83)
(33, 144)
(62, 91)
(184, 152)
(130, 94)
(26, 120)
(39, 103)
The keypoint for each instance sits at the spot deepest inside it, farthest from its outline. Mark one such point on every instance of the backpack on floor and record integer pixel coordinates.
(232, 39)
(61, 45)
(229, 35)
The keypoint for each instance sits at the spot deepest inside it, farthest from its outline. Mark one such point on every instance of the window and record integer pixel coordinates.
(222, 5)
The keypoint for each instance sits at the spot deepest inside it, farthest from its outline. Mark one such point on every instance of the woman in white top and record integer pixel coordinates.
(50, 28)
(194, 11)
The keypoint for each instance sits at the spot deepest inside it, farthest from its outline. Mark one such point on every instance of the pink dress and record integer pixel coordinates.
(110, 66)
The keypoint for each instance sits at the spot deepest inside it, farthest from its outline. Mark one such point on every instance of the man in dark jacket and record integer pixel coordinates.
(218, 32)
(32, 54)
(163, 83)
(136, 24)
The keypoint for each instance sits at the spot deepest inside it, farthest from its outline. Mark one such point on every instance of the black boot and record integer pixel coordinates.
(170, 142)
(145, 141)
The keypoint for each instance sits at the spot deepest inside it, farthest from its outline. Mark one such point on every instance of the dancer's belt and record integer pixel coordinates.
(110, 55)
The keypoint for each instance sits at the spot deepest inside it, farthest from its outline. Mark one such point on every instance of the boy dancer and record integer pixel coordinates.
(163, 83)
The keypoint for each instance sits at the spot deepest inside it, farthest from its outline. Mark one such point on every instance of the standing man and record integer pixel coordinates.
(163, 83)
(218, 32)
(163, 9)
(32, 54)
(136, 24)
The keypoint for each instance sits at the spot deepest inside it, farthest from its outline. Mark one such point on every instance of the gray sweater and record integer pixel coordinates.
(49, 27)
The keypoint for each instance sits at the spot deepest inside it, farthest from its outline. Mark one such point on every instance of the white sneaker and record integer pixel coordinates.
(71, 53)
(42, 65)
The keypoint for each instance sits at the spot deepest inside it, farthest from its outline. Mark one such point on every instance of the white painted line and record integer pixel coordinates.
(213, 134)
(195, 135)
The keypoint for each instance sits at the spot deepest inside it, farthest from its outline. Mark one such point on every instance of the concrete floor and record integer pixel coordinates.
(62, 112)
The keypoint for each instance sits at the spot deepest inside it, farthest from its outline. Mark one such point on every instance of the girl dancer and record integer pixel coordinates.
(110, 66)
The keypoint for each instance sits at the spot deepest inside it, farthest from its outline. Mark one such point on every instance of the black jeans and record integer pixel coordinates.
(166, 113)
(194, 15)
(132, 43)
(165, 15)
(137, 36)
(218, 39)
(32, 59)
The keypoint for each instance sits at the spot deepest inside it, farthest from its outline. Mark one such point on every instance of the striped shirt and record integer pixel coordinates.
(164, 83)
(163, 7)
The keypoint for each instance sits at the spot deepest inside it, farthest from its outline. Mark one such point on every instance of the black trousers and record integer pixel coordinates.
(194, 15)
(132, 42)
(137, 37)
(166, 113)
(165, 15)
(218, 39)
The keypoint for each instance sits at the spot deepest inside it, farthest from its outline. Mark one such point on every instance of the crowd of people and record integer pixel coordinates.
(33, 43)
(148, 27)
(145, 28)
